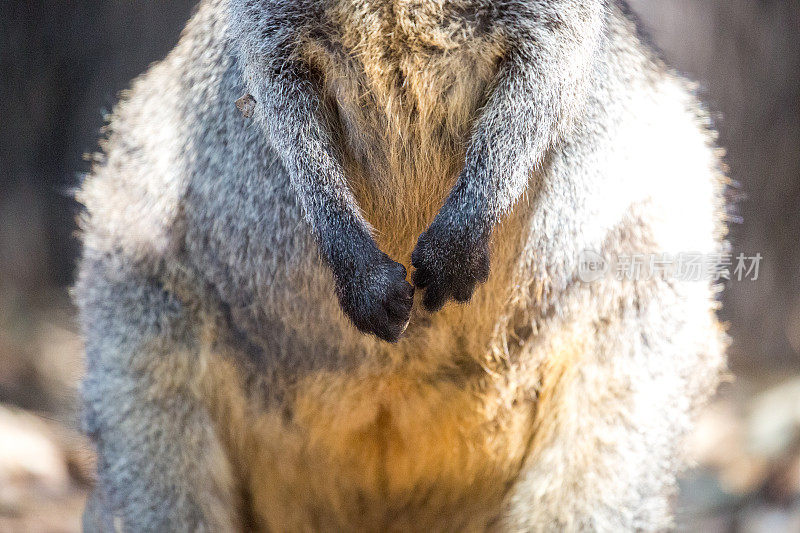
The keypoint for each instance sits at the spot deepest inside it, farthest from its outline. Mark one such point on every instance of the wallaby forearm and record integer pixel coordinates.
(291, 117)
(371, 288)
(540, 90)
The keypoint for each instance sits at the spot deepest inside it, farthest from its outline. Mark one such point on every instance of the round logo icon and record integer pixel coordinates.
(592, 266)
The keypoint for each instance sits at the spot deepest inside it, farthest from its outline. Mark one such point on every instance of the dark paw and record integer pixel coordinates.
(448, 266)
(377, 298)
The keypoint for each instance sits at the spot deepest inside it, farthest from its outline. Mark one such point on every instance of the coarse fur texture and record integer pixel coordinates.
(241, 276)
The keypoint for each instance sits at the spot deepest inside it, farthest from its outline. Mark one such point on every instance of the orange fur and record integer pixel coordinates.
(370, 449)
(406, 103)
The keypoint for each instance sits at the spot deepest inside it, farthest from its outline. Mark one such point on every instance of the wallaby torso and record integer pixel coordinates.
(240, 277)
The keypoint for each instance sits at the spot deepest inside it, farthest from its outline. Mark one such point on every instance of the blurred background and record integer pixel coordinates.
(62, 65)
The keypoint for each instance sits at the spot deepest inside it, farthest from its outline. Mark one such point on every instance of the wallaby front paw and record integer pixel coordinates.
(378, 299)
(449, 265)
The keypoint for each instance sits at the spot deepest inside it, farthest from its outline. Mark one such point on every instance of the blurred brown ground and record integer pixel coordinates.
(61, 64)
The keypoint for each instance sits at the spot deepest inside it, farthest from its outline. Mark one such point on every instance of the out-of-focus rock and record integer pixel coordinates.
(764, 519)
(773, 424)
(30, 457)
(747, 450)
(45, 470)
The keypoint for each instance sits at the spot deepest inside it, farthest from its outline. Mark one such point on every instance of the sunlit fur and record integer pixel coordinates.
(226, 390)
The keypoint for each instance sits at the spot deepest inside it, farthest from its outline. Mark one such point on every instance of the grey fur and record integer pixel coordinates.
(210, 238)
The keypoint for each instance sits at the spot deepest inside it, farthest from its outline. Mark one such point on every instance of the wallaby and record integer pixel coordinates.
(257, 358)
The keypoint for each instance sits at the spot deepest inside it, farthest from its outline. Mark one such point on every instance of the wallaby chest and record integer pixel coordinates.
(404, 81)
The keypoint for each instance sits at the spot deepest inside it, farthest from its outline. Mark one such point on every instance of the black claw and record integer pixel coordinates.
(407, 292)
(379, 299)
(448, 266)
(435, 297)
(421, 278)
(398, 311)
(385, 333)
(464, 294)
